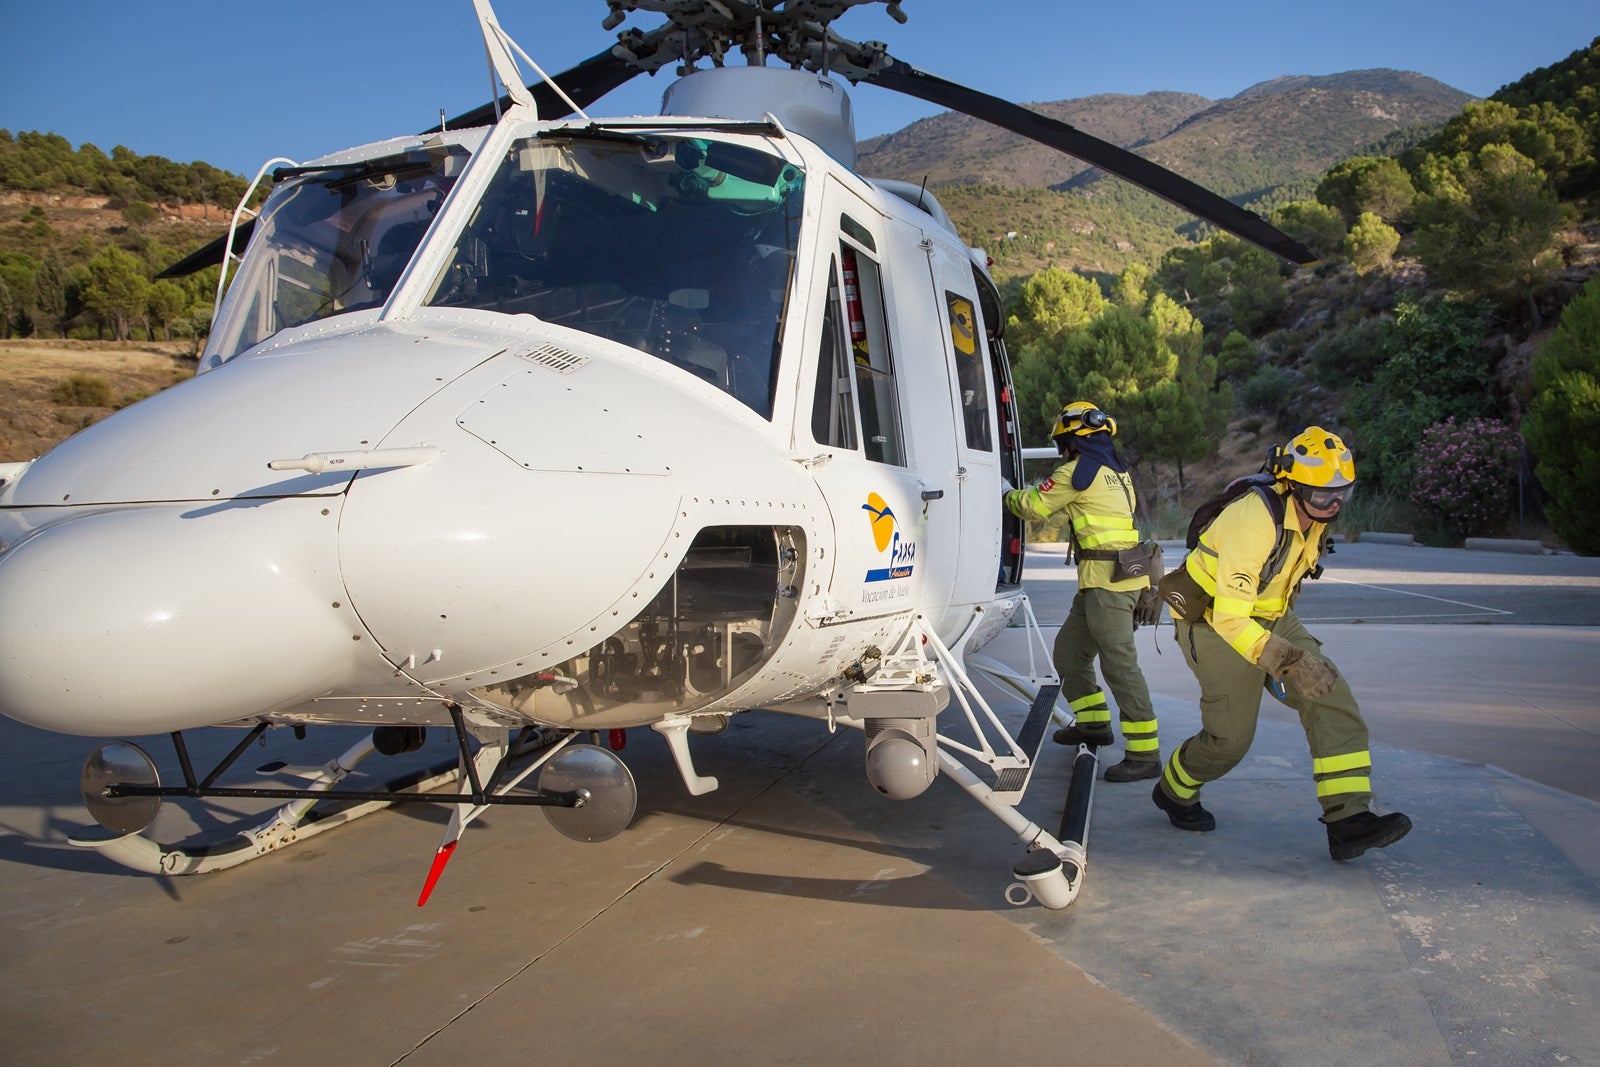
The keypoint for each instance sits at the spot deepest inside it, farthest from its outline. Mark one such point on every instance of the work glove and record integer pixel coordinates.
(1310, 674)
(1147, 609)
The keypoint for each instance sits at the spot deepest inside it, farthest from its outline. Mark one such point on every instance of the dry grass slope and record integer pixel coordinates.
(31, 423)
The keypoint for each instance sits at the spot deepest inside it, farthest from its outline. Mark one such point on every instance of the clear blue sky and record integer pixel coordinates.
(234, 83)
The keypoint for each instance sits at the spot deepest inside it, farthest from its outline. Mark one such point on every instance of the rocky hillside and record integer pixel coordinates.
(1290, 127)
(1295, 127)
(956, 149)
(1033, 207)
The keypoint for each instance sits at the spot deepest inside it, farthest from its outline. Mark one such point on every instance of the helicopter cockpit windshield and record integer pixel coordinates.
(678, 246)
(331, 239)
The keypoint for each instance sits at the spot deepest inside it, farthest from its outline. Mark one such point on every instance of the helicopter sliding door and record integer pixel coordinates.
(856, 421)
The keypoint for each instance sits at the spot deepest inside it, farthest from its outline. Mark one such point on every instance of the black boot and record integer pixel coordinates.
(1352, 835)
(1184, 816)
(1084, 735)
(1132, 770)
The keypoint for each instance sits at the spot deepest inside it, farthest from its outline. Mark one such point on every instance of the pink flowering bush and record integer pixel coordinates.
(1466, 473)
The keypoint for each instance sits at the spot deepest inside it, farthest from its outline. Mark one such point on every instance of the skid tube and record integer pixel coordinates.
(302, 818)
(479, 795)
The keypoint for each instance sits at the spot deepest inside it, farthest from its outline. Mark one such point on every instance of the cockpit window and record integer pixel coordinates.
(677, 246)
(332, 239)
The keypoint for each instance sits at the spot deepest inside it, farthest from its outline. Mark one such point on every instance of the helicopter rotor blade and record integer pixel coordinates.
(210, 255)
(1198, 201)
(585, 83)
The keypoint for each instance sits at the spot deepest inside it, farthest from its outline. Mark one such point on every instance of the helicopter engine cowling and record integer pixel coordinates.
(810, 104)
(577, 560)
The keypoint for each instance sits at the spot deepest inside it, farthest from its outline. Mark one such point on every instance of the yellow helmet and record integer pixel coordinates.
(1320, 471)
(1080, 419)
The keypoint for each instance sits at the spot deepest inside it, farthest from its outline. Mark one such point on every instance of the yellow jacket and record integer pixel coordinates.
(1102, 518)
(1236, 546)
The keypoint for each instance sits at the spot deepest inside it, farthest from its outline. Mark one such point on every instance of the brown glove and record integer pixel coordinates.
(1147, 609)
(1310, 675)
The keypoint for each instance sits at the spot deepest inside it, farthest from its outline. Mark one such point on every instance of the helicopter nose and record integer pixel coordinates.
(147, 620)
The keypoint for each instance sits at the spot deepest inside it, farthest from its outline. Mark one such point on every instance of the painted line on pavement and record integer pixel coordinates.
(1477, 608)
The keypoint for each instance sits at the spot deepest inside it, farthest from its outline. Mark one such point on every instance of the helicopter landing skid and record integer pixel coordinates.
(123, 793)
(1051, 870)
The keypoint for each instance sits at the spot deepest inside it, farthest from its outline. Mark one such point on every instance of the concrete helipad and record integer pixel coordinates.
(794, 916)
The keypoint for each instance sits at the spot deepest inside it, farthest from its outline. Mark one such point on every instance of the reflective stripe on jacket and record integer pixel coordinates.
(1102, 518)
(1236, 547)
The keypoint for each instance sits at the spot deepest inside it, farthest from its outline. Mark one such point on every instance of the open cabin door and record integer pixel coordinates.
(1013, 530)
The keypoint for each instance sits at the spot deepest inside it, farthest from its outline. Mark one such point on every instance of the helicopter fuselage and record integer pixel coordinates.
(576, 425)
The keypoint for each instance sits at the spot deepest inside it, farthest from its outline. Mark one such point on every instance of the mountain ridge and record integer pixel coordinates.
(1273, 132)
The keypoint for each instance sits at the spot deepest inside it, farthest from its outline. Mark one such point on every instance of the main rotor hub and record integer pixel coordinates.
(797, 34)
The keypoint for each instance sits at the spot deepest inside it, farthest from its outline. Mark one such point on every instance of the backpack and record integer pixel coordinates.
(1178, 588)
(1261, 484)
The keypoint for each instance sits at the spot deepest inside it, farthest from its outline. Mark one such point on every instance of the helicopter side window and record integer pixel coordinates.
(833, 419)
(869, 349)
(682, 248)
(964, 335)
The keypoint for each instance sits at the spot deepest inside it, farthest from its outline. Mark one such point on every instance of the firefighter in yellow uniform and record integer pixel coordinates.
(1253, 570)
(1092, 484)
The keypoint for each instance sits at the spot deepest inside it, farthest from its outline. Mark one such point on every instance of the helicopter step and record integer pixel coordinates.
(1031, 737)
(897, 707)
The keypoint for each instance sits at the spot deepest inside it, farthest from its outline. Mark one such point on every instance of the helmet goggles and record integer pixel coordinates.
(1324, 500)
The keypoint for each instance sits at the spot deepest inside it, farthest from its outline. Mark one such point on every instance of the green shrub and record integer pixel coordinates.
(1563, 423)
(1267, 391)
(83, 391)
(1436, 368)
(1371, 243)
(1351, 355)
(1237, 359)
(138, 213)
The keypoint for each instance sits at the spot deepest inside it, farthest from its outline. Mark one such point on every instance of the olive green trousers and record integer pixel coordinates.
(1100, 626)
(1230, 702)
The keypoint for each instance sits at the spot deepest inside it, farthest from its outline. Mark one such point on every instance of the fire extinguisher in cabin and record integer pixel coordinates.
(852, 308)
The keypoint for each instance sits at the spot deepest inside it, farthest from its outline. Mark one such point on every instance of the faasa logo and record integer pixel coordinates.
(1047, 485)
(886, 537)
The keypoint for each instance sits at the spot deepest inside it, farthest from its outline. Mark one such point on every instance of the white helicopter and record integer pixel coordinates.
(538, 427)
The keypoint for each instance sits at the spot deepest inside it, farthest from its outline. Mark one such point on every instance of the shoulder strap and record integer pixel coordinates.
(1123, 485)
(1207, 513)
(1280, 547)
(1262, 486)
